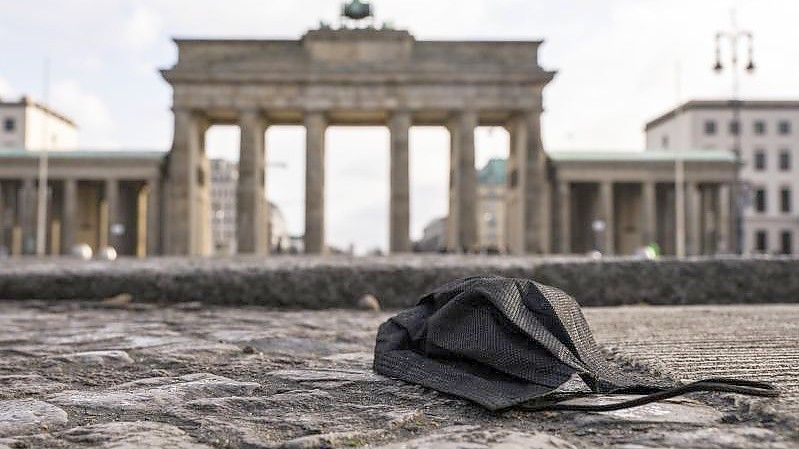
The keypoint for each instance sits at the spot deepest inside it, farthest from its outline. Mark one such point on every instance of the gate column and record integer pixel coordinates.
(462, 220)
(188, 208)
(529, 220)
(399, 207)
(315, 125)
(252, 219)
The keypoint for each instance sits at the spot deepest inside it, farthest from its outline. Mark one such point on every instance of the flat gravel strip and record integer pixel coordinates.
(692, 342)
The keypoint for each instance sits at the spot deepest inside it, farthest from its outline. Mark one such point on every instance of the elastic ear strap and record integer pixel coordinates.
(725, 385)
(742, 382)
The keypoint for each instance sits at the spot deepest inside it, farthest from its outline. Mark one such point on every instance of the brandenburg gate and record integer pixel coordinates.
(344, 76)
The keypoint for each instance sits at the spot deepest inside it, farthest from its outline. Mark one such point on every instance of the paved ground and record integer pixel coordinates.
(79, 374)
(758, 343)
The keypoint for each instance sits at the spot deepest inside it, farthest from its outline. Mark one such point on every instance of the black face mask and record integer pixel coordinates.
(506, 342)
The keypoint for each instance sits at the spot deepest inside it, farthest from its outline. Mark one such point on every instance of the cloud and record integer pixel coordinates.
(93, 117)
(5, 88)
(142, 29)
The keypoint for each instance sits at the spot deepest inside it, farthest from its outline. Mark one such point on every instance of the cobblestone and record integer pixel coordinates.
(186, 380)
(21, 416)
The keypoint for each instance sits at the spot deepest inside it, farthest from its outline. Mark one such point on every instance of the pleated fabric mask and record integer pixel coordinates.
(504, 342)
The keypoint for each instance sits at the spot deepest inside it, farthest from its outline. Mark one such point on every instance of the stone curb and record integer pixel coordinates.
(334, 282)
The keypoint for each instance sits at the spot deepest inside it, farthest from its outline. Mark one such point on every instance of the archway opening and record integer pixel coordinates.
(357, 189)
(429, 179)
(492, 147)
(222, 148)
(285, 187)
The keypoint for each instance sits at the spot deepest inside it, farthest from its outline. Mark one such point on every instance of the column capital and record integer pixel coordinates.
(187, 111)
(252, 119)
(525, 113)
(464, 114)
(315, 112)
(252, 113)
(315, 118)
(191, 118)
(400, 117)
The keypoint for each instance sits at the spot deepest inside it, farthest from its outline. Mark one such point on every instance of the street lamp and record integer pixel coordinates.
(735, 36)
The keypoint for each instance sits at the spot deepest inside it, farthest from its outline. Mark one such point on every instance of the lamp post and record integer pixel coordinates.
(734, 37)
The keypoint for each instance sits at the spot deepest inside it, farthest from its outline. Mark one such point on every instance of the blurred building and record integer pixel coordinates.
(29, 125)
(224, 182)
(96, 198)
(491, 188)
(434, 237)
(615, 202)
(224, 177)
(768, 135)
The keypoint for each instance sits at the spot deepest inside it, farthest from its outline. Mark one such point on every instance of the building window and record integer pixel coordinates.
(760, 160)
(761, 241)
(785, 200)
(664, 142)
(784, 127)
(710, 127)
(760, 200)
(9, 124)
(786, 242)
(735, 127)
(785, 160)
(760, 127)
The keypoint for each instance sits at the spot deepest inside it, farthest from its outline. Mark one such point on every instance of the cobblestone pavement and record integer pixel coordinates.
(128, 375)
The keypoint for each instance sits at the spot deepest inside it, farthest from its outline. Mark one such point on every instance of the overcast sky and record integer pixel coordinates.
(619, 64)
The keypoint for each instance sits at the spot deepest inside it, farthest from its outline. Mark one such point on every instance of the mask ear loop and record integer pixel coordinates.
(719, 384)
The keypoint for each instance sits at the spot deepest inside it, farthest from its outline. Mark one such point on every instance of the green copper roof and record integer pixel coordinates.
(84, 154)
(493, 173)
(642, 156)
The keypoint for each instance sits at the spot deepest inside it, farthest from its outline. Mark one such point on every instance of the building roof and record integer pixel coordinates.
(643, 156)
(722, 104)
(493, 173)
(28, 101)
(83, 154)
